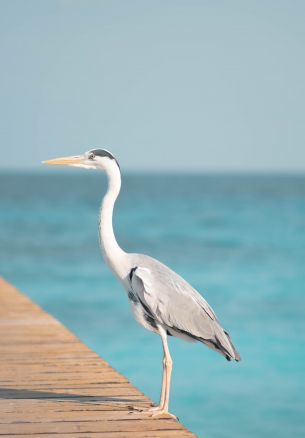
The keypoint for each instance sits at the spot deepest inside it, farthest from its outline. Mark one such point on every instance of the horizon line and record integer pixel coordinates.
(151, 171)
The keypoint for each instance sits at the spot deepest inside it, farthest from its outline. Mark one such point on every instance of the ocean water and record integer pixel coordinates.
(239, 239)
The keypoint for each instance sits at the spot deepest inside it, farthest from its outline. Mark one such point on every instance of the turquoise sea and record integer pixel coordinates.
(239, 239)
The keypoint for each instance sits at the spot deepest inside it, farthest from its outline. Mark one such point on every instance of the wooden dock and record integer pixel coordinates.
(51, 384)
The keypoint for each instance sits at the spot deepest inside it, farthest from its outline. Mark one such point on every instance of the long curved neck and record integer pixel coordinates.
(112, 252)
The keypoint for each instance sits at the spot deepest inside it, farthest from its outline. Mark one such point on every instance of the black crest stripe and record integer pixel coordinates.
(104, 153)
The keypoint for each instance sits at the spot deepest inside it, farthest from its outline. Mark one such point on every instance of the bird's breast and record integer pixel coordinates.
(139, 313)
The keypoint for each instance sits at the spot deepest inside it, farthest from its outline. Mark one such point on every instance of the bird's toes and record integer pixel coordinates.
(153, 409)
(162, 414)
(153, 412)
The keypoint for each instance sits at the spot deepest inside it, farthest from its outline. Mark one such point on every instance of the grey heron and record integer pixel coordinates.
(161, 300)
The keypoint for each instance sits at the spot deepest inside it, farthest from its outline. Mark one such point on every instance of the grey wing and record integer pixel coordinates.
(179, 308)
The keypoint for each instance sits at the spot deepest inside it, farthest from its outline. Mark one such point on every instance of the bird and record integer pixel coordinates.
(160, 299)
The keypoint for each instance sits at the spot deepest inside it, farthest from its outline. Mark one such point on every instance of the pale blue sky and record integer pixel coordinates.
(211, 85)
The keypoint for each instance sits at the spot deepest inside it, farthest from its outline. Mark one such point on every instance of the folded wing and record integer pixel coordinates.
(179, 308)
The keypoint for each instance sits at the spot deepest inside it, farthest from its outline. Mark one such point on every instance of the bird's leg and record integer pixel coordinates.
(164, 381)
(163, 389)
(162, 395)
(162, 409)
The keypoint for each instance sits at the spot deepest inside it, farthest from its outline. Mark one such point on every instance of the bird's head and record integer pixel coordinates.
(93, 159)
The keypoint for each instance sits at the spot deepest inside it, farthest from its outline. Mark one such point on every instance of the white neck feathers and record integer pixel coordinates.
(112, 252)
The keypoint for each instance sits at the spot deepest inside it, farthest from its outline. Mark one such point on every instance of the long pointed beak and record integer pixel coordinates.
(77, 159)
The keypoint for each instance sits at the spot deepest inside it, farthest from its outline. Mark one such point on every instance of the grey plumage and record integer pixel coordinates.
(168, 300)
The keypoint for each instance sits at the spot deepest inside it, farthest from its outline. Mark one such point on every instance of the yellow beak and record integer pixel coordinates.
(64, 160)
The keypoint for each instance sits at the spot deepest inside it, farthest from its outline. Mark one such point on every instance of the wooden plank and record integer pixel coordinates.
(52, 384)
(135, 434)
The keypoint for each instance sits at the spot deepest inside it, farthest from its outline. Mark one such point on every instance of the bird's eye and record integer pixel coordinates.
(91, 156)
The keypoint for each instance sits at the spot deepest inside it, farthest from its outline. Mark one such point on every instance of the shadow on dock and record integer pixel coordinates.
(12, 393)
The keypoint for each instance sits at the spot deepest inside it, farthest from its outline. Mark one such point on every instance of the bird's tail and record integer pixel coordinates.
(222, 343)
(236, 355)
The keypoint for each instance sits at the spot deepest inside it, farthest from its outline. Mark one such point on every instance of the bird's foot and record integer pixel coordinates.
(162, 413)
(153, 411)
